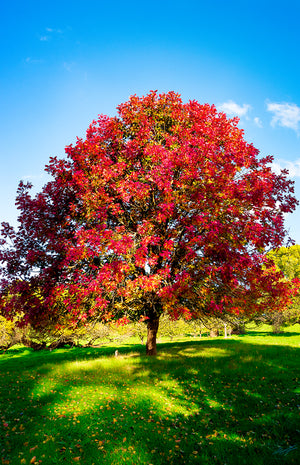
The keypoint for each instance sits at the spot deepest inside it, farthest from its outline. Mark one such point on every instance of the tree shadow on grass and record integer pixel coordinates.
(217, 401)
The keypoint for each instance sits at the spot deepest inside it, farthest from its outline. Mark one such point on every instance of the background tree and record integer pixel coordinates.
(6, 332)
(162, 209)
(286, 260)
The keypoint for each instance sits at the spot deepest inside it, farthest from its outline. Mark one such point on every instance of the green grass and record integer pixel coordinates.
(200, 401)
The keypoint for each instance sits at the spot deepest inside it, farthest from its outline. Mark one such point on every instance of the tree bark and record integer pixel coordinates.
(276, 327)
(152, 328)
(225, 330)
(214, 333)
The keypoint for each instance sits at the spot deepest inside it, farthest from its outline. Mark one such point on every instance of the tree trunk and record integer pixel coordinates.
(225, 330)
(214, 333)
(276, 327)
(239, 329)
(152, 328)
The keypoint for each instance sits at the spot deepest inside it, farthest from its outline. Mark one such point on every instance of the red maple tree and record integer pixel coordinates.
(163, 208)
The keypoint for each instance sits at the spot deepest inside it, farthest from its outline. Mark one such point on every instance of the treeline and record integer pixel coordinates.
(96, 334)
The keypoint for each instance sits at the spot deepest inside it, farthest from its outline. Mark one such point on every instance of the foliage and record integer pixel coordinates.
(226, 324)
(162, 209)
(93, 334)
(139, 330)
(6, 331)
(286, 260)
(170, 328)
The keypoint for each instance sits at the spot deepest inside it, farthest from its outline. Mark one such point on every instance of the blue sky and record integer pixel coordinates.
(65, 62)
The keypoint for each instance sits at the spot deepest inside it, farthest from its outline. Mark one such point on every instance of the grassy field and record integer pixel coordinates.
(200, 401)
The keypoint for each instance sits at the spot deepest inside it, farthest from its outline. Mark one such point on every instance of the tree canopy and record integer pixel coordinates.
(287, 259)
(164, 208)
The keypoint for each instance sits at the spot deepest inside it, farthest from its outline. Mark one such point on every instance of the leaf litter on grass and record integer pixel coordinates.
(151, 411)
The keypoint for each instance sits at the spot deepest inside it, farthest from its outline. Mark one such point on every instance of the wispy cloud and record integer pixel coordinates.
(33, 177)
(285, 115)
(50, 32)
(68, 66)
(234, 109)
(292, 166)
(258, 122)
(33, 61)
(56, 31)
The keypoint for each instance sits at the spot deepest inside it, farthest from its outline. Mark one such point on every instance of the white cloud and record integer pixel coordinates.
(33, 61)
(55, 31)
(292, 166)
(258, 122)
(69, 66)
(285, 114)
(49, 34)
(33, 177)
(234, 109)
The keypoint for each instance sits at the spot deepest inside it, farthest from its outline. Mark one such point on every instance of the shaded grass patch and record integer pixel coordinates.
(233, 401)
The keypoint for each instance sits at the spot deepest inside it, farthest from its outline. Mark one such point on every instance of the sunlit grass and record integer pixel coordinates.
(211, 401)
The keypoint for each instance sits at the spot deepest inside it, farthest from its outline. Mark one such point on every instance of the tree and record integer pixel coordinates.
(286, 260)
(164, 208)
(6, 332)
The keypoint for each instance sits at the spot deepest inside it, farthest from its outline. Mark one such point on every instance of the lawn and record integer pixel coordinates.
(200, 401)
